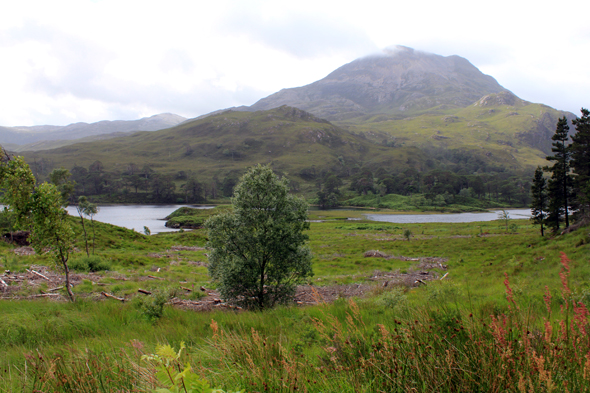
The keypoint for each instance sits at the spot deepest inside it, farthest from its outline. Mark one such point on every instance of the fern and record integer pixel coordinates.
(167, 362)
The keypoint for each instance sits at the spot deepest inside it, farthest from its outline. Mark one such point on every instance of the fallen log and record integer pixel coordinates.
(47, 294)
(38, 274)
(112, 296)
(420, 281)
(144, 291)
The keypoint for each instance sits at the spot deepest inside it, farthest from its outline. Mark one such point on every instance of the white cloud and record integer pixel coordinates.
(81, 60)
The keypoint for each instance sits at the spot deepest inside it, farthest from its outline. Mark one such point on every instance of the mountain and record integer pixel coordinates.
(35, 134)
(401, 81)
(291, 140)
(431, 102)
(393, 112)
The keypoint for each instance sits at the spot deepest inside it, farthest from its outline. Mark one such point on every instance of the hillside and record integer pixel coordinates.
(499, 128)
(404, 122)
(289, 139)
(441, 105)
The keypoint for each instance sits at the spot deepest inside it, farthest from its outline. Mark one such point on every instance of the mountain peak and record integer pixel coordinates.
(400, 80)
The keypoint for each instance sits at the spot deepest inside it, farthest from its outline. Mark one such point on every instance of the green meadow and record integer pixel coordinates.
(499, 309)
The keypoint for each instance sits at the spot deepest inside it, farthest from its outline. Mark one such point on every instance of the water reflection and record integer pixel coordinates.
(515, 214)
(136, 216)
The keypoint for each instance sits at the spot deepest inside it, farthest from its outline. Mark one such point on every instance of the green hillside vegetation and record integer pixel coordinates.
(461, 330)
(191, 218)
(428, 154)
(289, 139)
(515, 136)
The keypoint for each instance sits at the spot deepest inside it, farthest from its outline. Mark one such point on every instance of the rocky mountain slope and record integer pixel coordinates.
(398, 82)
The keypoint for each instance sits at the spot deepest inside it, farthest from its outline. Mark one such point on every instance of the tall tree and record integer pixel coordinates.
(258, 252)
(51, 228)
(40, 209)
(18, 184)
(85, 208)
(560, 184)
(539, 199)
(60, 177)
(580, 163)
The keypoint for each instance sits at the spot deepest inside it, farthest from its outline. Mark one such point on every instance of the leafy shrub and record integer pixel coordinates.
(395, 298)
(168, 364)
(152, 307)
(89, 264)
(407, 234)
(185, 222)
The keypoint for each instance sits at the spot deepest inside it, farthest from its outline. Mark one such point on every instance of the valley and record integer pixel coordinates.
(445, 277)
(480, 306)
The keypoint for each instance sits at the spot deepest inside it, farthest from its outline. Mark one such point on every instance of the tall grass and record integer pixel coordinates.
(426, 350)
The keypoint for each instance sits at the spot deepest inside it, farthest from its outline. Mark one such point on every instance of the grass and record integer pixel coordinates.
(460, 334)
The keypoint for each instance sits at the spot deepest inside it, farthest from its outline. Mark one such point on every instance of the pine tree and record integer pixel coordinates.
(539, 199)
(560, 184)
(580, 163)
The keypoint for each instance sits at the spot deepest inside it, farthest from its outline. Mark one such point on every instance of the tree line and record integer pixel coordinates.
(436, 187)
(565, 195)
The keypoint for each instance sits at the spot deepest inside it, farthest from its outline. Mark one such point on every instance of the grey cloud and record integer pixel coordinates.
(81, 63)
(81, 74)
(304, 35)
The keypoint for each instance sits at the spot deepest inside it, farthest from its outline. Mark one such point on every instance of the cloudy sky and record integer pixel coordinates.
(88, 60)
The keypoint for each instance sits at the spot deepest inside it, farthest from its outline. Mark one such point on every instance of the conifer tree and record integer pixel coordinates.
(539, 199)
(580, 163)
(560, 184)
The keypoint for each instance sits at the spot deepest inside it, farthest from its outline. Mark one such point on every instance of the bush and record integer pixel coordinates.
(185, 222)
(395, 298)
(89, 264)
(152, 307)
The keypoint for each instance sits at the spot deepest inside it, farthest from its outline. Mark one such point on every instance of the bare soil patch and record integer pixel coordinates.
(13, 285)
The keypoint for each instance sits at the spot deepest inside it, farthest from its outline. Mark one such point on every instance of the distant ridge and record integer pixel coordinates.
(28, 135)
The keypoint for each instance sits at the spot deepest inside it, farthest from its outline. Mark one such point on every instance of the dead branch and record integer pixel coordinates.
(38, 274)
(54, 289)
(112, 296)
(4, 285)
(144, 291)
(186, 289)
(156, 278)
(443, 277)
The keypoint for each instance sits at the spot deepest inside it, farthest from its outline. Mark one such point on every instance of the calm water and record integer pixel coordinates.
(152, 216)
(136, 216)
(515, 214)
